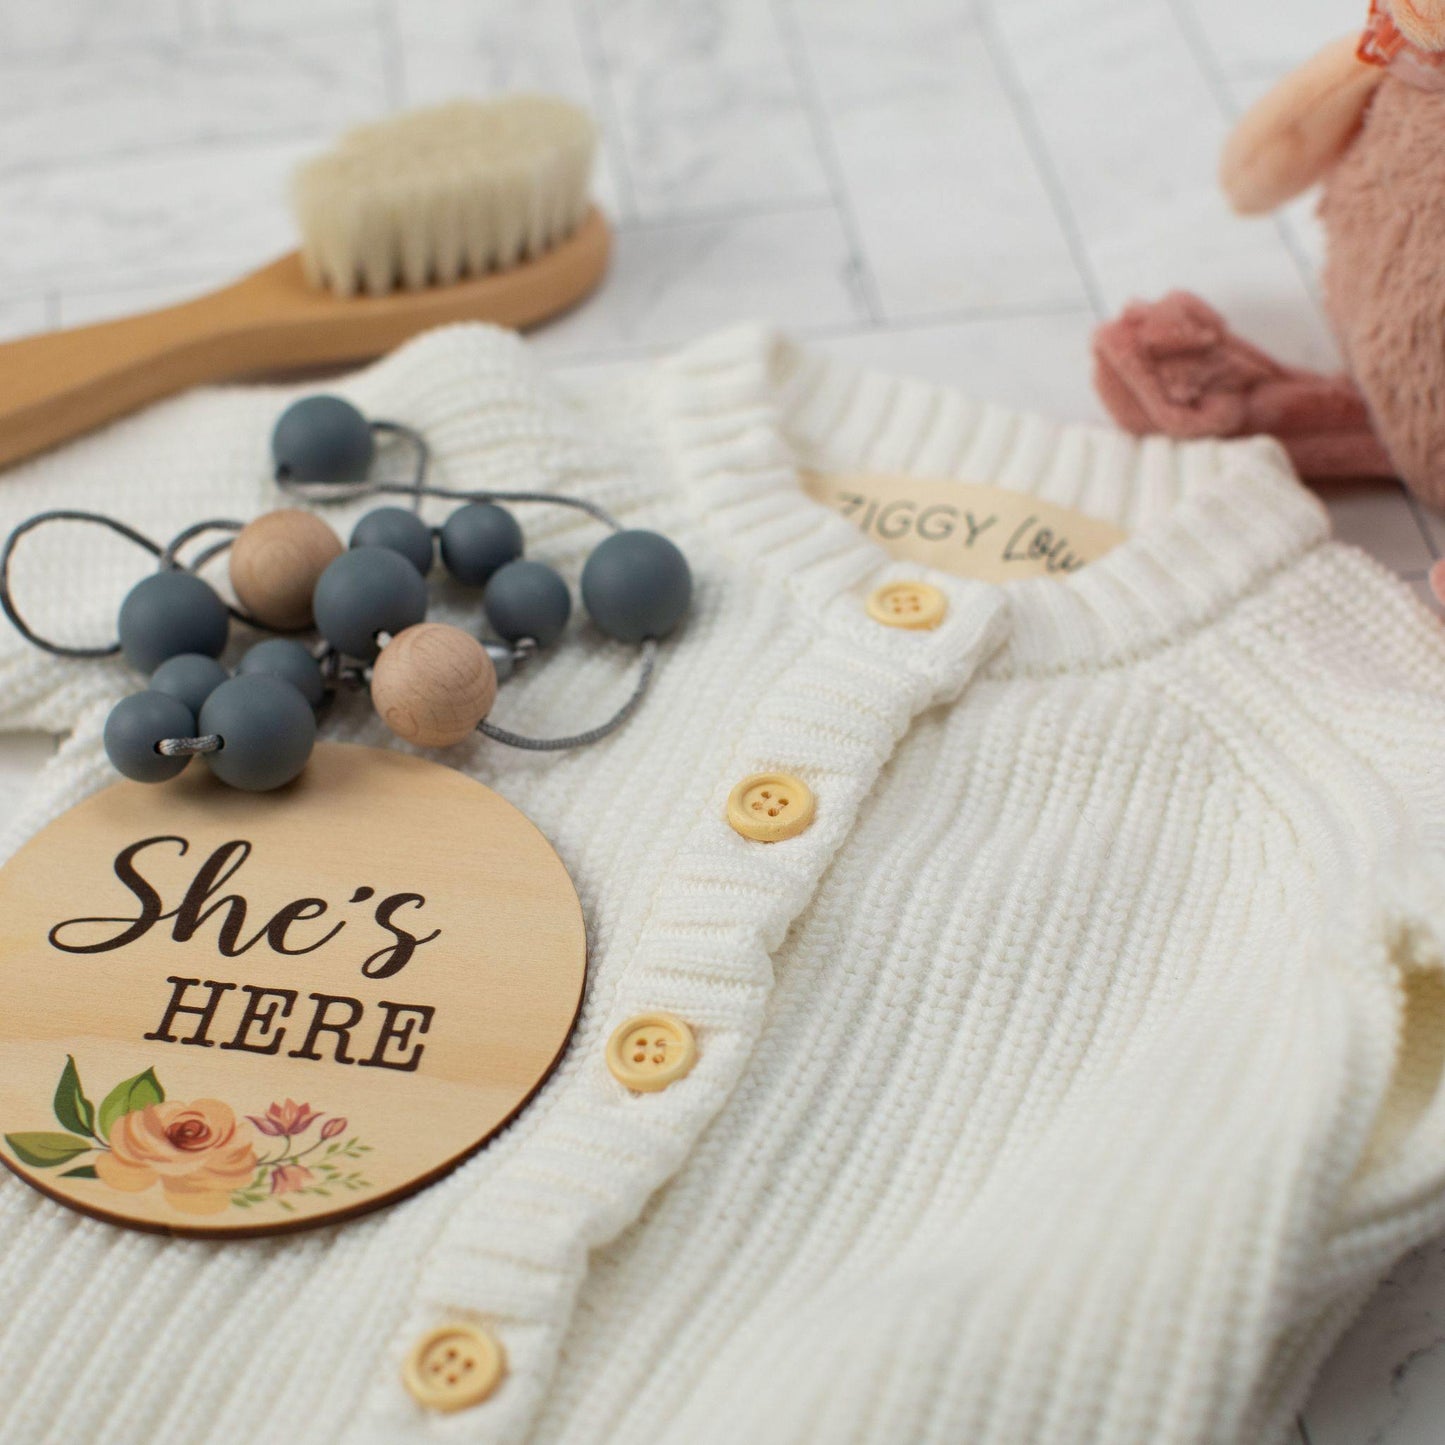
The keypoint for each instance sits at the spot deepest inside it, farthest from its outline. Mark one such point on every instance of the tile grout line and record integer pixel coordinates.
(1029, 128)
(313, 135)
(726, 215)
(594, 57)
(1004, 311)
(1417, 510)
(1186, 17)
(842, 330)
(216, 275)
(823, 141)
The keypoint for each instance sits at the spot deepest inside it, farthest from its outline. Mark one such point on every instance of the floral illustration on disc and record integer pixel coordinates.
(204, 1158)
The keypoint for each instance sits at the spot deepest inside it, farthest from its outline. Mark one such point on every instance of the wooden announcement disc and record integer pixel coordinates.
(228, 1013)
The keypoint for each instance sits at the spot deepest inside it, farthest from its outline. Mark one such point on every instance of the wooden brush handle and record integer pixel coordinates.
(56, 386)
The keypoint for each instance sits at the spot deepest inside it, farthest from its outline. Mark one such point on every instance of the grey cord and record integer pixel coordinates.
(7, 600)
(423, 454)
(310, 491)
(331, 493)
(592, 735)
(168, 557)
(189, 747)
(417, 491)
(169, 553)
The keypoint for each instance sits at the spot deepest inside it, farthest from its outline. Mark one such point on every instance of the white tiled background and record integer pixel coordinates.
(957, 188)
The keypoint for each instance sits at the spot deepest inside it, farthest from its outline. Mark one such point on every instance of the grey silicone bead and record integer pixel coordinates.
(266, 728)
(169, 613)
(365, 591)
(527, 599)
(136, 724)
(286, 658)
(401, 531)
(479, 539)
(189, 677)
(322, 439)
(636, 585)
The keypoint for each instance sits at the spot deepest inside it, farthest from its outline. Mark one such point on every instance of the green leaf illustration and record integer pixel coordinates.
(128, 1096)
(45, 1151)
(86, 1171)
(72, 1108)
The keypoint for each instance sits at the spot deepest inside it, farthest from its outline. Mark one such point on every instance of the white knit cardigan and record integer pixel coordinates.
(1072, 1078)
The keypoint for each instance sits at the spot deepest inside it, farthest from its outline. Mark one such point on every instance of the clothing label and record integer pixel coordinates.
(988, 533)
(228, 1013)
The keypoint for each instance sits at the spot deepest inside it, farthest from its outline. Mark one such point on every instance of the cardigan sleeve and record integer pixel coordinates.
(1359, 663)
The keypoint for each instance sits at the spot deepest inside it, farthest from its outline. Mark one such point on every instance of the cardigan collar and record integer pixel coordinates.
(1207, 521)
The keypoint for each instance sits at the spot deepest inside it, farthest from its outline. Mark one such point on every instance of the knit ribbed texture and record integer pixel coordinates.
(1070, 1079)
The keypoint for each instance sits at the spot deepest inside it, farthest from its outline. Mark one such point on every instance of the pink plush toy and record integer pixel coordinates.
(1367, 117)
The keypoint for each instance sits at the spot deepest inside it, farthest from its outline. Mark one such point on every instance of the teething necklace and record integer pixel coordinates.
(431, 683)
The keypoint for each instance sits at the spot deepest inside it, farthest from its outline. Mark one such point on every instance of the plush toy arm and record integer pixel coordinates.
(1290, 137)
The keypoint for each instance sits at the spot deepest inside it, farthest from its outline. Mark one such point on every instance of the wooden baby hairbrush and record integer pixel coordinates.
(469, 211)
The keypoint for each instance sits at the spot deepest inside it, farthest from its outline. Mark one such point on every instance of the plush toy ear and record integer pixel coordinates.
(1421, 22)
(1290, 138)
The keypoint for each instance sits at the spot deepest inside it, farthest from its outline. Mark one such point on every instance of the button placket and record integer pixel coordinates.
(761, 888)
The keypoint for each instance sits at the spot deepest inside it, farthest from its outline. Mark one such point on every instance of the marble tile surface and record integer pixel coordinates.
(1026, 361)
(20, 314)
(1089, 79)
(955, 188)
(1393, 534)
(148, 216)
(91, 104)
(1246, 38)
(678, 73)
(674, 280)
(1433, 524)
(1385, 1385)
(931, 161)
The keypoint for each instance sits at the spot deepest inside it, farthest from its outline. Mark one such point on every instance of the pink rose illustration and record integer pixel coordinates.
(198, 1152)
(288, 1118)
(204, 1157)
(288, 1178)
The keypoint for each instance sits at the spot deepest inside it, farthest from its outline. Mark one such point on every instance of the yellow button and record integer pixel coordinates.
(907, 604)
(651, 1051)
(453, 1367)
(770, 806)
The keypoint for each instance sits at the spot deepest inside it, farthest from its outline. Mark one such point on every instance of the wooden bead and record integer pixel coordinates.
(275, 563)
(432, 684)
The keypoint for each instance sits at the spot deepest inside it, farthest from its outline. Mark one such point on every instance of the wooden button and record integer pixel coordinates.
(916, 605)
(453, 1367)
(651, 1051)
(768, 807)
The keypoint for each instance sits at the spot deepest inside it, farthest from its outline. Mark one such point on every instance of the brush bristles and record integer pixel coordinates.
(436, 195)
